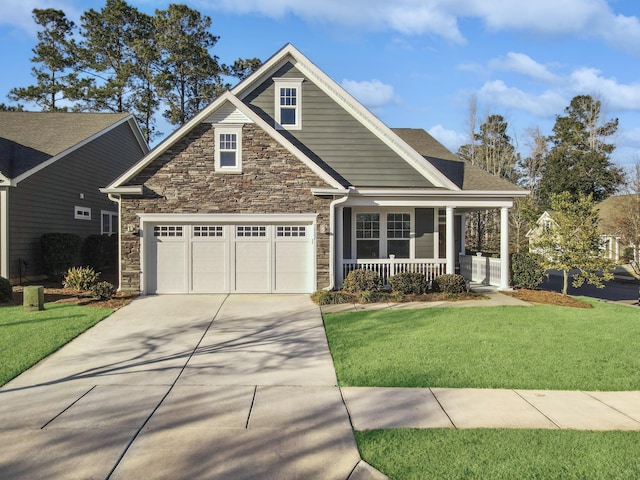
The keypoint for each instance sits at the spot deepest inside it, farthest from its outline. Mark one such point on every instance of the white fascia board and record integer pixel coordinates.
(228, 218)
(81, 144)
(126, 190)
(439, 193)
(430, 202)
(330, 191)
(349, 103)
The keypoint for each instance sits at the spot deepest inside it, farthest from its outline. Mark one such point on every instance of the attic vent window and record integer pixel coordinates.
(81, 213)
(288, 103)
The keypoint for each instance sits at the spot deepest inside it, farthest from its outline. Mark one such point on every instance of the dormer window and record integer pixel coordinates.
(228, 153)
(288, 103)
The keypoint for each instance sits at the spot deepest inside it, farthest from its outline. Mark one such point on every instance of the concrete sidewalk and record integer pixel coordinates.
(373, 408)
(177, 387)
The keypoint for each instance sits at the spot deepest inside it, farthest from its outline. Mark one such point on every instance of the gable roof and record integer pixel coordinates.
(290, 54)
(30, 141)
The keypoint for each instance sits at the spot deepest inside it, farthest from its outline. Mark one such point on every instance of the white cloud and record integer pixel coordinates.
(525, 65)
(616, 95)
(588, 18)
(371, 93)
(18, 13)
(449, 138)
(497, 93)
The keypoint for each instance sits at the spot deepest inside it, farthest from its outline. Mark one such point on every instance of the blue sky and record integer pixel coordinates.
(417, 63)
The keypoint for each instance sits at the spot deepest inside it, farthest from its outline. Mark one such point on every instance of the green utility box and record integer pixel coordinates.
(33, 298)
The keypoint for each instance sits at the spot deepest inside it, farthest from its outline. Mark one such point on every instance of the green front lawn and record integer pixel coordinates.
(541, 347)
(409, 454)
(27, 337)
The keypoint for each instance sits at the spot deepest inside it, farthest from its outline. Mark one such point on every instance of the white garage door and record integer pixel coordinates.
(229, 259)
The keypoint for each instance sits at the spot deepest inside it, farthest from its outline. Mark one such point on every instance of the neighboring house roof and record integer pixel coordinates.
(610, 208)
(30, 139)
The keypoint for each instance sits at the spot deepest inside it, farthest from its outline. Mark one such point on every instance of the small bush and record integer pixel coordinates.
(59, 252)
(80, 278)
(628, 254)
(100, 251)
(103, 290)
(526, 271)
(362, 280)
(449, 283)
(409, 283)
(324, 297)
(6, 291)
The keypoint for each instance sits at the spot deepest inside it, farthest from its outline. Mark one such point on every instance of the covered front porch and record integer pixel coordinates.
(417, 233)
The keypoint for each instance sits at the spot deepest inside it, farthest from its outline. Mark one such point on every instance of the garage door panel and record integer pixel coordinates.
(252, 266)
(292, 264)
(170, 264)
(209, 267)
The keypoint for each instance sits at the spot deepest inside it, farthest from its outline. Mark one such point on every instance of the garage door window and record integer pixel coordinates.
(207, 231)
(167, 231)
(251, 231)
(291, 231)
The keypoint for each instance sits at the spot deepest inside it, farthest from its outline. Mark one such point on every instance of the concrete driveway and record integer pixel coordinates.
(176, 387)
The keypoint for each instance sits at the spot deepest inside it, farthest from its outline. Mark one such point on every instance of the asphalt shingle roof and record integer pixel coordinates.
(462, 173)
(30, 138)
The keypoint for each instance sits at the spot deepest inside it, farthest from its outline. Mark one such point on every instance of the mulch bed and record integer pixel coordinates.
(549, 298)
(55, 293)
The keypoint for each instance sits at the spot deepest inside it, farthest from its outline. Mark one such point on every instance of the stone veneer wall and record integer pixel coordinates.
(182, 180)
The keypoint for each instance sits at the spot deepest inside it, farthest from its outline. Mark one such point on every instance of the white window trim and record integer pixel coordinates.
(111, 215)
(81, 213)
(228, 129)
(383, 229)
(288, 83)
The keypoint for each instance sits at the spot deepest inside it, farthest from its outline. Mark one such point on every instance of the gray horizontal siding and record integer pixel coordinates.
(332, 136)
(425, 238)
(45, 201)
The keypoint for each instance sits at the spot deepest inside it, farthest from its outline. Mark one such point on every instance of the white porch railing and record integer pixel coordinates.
(388, 267)
(479, 269)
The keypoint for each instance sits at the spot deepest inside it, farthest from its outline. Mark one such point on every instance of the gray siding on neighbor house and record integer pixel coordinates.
(332, 136)
(425, 238)
(45, 201)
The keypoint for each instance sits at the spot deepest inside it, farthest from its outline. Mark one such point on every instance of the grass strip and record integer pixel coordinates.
(27, 337)
(496, 454)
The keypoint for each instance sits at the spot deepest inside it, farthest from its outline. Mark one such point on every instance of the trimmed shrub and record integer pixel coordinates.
(103, 290)
(449, 283)
(362, 280)
(6, 291)
(80, 278)
(409, 283)
(367, 296)
(526, 271)
(100, 251)
(59, 252)
(324, 297)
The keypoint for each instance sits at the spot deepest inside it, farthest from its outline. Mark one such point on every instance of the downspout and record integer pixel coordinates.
(332, 243)
(117, 199)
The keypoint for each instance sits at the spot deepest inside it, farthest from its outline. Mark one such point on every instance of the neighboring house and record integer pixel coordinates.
(285, 184)
(609, 211)
(610, 240)
(51, 168)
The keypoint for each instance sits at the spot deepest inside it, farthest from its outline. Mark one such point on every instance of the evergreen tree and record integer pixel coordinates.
(190, 76)
(56, 78)
(579, 159)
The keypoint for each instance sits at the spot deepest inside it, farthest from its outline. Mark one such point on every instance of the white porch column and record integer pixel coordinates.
(451, 241)
(463, 233)
(504, 249)
(339, 245)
